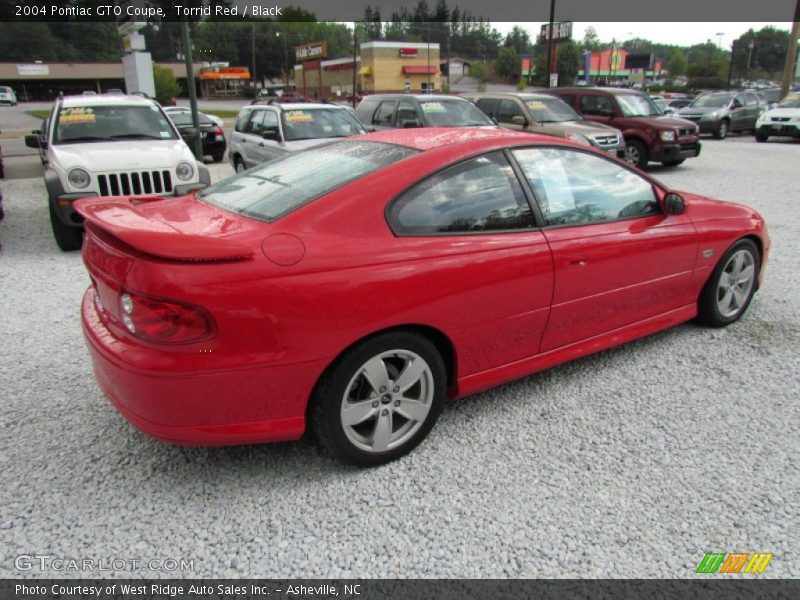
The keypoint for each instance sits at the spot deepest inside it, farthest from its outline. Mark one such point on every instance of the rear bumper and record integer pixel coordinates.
(670, 152)
(193, 406)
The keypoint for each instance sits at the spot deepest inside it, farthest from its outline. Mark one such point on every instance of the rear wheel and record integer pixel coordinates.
(761, 137)
(238, 164)
(67, 237)
(729, 290)
(380, 399)
(635, 153)
(722, 130)
(217, 157)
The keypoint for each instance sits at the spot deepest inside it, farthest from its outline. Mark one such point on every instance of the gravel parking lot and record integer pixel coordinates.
(629, 463)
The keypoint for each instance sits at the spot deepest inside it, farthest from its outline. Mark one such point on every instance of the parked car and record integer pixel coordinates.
(389, 111)
(263, 132)
(720, 113)
(2, 169)
(110, 145)
(212, 137)
(769, 97)
(176, 110)
(542, 113)
(350, 287)
(649, 135)
(671, 106)
(7, 96)
(781, 121)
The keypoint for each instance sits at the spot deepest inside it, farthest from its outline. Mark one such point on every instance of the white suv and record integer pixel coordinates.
(110, 145)
(7, 96)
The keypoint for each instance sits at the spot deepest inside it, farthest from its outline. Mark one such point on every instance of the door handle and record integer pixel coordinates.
(261, 144)
(581, 262)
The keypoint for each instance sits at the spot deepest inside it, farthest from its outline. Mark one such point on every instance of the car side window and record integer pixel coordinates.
(383, 116)
(256, 123)
(407, 115)
(596, 105)
(241, 121)
(752, 99)
(508, 110)
(578, 188)
(479, 195)
(568, 98)
(739, 98)
(488, 105)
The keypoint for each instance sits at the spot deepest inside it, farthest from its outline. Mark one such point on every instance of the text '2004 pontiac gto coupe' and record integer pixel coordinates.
(355, 285)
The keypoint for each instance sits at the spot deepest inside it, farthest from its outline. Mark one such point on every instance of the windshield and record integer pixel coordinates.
(633, 105)
(453, 112)
(5, 90)
(551, 110)
(316, 123)
(791, 101)
(77, 124)
(661, 104)
(712, 101)
(270, 190)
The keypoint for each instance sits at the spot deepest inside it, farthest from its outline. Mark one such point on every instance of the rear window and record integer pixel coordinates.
(316, 123)
(273, 189)
(453, 112)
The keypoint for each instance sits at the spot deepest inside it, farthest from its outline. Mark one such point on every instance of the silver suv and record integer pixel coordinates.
(263, 132)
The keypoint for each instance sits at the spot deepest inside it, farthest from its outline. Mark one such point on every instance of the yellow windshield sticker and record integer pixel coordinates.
(433, 107)
(70, 116)
(536, 105)
(298, 116)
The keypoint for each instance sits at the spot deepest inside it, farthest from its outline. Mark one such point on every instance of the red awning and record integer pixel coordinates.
(411, 70)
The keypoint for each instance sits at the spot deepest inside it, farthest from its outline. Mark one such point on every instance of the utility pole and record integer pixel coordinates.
(791, 54)
(253, 57)
(355, 64)
(550, 41)
(187, 55)
(730, 66)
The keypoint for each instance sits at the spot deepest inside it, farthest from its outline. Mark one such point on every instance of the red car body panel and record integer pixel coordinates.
(332, 272)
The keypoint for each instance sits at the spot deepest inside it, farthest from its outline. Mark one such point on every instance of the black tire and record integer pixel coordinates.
(761, 137)
(68, 238)
(673, 163)
(722, 130)
(708, 309)
(346, 378)
(217, 157)
(636, 153)
(2, 172)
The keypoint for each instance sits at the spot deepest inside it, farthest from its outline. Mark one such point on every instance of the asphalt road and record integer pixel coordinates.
(633, 462)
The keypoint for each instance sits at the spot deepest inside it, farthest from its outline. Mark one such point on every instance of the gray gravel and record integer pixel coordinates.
(630, 463)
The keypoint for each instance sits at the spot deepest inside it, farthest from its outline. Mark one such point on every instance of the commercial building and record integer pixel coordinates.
(380, 67)
(609, 65)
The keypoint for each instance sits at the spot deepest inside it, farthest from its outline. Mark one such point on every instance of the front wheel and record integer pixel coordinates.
(722, 130)
(67, 237)
(238, 165)
(636, 154)
(380, 399)
(729, 290)
(761, 137)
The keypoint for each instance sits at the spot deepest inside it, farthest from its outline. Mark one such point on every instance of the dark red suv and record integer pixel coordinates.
(649, 135)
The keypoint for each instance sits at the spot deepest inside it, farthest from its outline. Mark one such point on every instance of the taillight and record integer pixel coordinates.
(218, 130)
(163, 322)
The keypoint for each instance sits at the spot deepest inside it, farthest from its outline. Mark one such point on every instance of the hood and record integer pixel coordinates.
(298, 145)
(587, 128)
(701, 208)
(783, 112)
(672, 121)
(701, 110)
(98, 157)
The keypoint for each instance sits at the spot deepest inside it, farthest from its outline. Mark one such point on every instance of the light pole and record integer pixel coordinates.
(719, 39)
(550, 41)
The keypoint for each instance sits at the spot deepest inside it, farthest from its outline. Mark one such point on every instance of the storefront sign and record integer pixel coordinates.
(312, 65)
(29, 70)
(338, 67)
(562, 31)
(312, 51)
(409, 52)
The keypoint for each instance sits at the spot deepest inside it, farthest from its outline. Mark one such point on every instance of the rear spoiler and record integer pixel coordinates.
(119, 217)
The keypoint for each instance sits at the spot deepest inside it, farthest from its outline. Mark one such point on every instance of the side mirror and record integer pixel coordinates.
(35, 141)
(673, 204)
(370, 129)
(272, 135)
(519, 120)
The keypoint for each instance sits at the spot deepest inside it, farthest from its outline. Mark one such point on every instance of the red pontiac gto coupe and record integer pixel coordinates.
(357, 284)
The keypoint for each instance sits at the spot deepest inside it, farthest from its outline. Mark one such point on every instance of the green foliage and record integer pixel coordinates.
(507, 63)
(477, 70)
(166, 85)
(591, 41)
(569, 62)
(522, 84)
(59, 42)
(676, 63)
(713, 82)
(519, 39)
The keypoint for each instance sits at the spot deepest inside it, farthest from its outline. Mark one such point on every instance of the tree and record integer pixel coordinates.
(569, 62)
(507, 63)
(676, 63)
(591, 42)
(518, 39)
(477, 71)
(166, 85)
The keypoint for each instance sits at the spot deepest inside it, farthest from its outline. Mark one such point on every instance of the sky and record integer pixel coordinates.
(680, 34)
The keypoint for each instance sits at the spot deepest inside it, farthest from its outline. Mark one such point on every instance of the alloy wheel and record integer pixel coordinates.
(735, 283)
